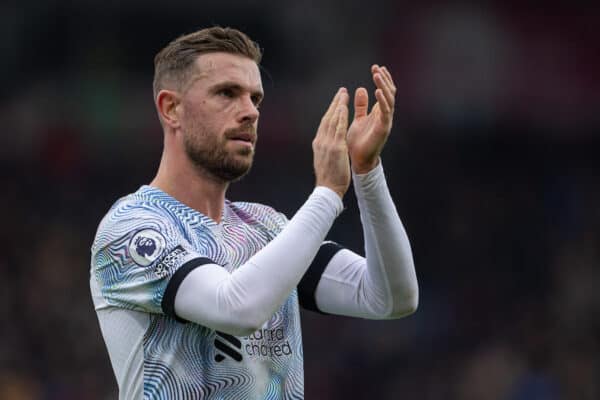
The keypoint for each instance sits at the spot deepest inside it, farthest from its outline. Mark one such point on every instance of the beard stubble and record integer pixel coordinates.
(209, 154)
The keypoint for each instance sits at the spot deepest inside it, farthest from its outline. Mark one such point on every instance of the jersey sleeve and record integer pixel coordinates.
(137, 250)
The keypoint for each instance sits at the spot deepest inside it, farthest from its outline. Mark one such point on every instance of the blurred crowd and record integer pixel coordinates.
(492, 162)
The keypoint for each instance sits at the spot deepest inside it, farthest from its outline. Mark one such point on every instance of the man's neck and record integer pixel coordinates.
(197, 190)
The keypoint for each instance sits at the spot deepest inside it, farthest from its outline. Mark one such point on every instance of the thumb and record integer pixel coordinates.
(361, 102)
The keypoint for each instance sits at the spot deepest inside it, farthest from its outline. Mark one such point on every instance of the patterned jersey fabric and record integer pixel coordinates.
(141, 243)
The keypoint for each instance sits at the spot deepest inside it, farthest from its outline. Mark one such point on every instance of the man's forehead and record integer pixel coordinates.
(226, 66)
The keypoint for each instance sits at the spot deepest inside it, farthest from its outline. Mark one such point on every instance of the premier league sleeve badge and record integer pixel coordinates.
(146, 246)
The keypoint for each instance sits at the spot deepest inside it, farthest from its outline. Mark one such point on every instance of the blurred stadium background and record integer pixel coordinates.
(493, 163)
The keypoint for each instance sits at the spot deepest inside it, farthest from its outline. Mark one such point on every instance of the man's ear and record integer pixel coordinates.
(167, 102)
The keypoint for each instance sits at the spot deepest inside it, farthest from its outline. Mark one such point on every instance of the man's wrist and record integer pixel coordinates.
(365, 168)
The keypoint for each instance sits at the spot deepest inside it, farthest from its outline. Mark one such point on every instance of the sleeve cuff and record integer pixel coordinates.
(378, 170)
(330, 197)
(365, 183)
(168, 301)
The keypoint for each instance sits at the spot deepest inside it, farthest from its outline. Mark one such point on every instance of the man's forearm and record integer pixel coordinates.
(240, 302)
(383, 285)
(390, 266)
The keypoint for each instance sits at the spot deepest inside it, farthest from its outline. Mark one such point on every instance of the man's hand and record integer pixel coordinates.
(331, 162)
(368, 132)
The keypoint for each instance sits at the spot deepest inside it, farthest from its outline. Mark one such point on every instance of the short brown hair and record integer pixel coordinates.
(172, 63)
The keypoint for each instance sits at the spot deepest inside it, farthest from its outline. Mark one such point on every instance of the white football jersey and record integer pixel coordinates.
(144, 247)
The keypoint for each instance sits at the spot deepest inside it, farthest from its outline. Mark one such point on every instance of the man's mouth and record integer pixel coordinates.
(245, 137)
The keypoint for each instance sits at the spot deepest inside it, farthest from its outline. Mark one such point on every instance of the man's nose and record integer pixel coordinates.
(248, 110)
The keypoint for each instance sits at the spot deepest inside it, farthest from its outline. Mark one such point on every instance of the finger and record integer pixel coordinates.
(361, 103)
(385, 108)
(324, 124)
(377, 70)
(336, 100)
(333, 122)
(387, 78)
(333, 104)
(382, 84)
(390, 80)
(342, 125)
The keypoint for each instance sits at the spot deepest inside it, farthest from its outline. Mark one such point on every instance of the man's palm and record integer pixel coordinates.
(366, 137)
(369, 131)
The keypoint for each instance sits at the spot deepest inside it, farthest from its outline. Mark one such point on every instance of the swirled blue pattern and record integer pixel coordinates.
(180, 360)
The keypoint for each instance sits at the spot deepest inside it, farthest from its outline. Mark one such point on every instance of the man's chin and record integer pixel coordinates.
(235, 169)
(234, 175)
(229, 168)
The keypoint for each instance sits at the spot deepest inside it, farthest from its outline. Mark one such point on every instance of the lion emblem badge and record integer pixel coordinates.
(146, 246)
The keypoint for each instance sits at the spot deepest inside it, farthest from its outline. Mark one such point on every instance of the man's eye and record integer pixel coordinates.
(226, 93)
(256, 100)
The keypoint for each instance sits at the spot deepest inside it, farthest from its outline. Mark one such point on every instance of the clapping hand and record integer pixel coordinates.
(369, 130)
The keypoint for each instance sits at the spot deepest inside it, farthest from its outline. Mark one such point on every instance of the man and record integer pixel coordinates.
(198, 297)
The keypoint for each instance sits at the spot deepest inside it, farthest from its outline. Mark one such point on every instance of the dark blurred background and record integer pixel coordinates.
(493, 163)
